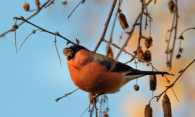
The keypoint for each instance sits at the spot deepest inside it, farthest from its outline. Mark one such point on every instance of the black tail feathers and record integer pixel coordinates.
(137, 72)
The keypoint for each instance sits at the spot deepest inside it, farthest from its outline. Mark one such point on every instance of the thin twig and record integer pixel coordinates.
(175, 36)
(84, 112)
(50, 3)
(113, 25)
(66, 95)
(131, 32)
(38, 10)
(15, 41)
(21, 18)
(170, 86)
(75, 8)
(106, 25)
(57, 51)
(27, 38)
(187, 29)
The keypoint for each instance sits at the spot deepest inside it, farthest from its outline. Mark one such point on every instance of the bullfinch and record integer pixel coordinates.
(99, 74)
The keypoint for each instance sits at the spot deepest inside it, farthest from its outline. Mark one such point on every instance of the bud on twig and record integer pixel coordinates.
(166, 106)
(37, 4)
(123, 21)
(148, 111)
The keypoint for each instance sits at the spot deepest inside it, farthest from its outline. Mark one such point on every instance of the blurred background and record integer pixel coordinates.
(32, 79)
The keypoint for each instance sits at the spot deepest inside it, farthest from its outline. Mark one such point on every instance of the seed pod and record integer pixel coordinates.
(147, 56)
(37, 3)
(153, 82)
(140, 53)
(148, 42)
(171, 5)
(105, 115)
(148, 111)
(178, 56)
(123, 21)
(136, 87)
(26, 6)
(109, 52)
(166, 106)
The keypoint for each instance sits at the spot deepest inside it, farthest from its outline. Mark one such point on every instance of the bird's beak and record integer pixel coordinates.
(67, 52)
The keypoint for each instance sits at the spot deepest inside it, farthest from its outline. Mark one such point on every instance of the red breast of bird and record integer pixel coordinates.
(91, 76)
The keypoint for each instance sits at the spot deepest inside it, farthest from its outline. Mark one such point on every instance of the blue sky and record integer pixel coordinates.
(32, 79)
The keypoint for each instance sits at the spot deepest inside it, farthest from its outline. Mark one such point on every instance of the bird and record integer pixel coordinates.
(97, 73)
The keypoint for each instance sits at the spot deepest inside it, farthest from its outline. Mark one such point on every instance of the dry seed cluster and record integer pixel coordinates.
(166, 106)
(123, 21)
(153, 82)
(148, 111)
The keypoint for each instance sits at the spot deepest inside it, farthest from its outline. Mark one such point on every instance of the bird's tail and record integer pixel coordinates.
(137, 72)
(134, 74)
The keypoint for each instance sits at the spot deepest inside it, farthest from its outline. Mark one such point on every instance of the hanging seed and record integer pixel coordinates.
(136, 87)
(148, 111)
(166, 106)
(64, 2)
(123, 21)
(37, 3)
(26, 6)
(148, 42)
(178, 56)
(105, 115)
(140, 53)
(147, 55)
(153, 82)
(171, 5)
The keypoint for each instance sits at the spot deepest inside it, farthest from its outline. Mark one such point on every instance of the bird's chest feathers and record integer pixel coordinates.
(78, 66)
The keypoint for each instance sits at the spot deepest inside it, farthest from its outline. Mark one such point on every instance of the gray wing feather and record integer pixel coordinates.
(111, 64)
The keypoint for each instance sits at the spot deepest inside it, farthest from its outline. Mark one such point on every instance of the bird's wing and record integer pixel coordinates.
(111, 64)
